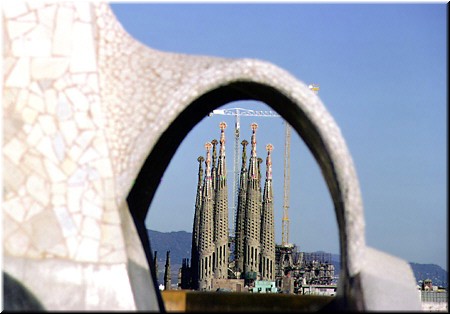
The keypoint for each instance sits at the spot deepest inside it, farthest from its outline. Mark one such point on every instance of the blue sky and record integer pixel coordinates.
(382, 71)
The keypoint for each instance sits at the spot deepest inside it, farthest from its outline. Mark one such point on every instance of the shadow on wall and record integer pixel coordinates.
(16, 297)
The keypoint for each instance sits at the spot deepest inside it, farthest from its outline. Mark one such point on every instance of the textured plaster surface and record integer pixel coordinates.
(63, 215)
(386, 282)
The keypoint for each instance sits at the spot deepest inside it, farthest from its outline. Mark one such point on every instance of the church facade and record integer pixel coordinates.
(250, 254)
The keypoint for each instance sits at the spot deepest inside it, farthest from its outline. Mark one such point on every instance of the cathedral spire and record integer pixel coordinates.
(244, 144)
(269, 148)
(260, 160)
(208, 176)
(252, 218)
(221, 167)
(206, 245)
(222, 127)
(253, 167)
(240, 214)
(254, 127)
(167, 275)
(267, 267)
(243, 178)
(198, 200)
(214, 143)
(196, 224)
(221, 213)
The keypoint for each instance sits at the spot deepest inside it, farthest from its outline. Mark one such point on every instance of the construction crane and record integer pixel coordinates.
(237, 113)
(287, 178)
(287, 182)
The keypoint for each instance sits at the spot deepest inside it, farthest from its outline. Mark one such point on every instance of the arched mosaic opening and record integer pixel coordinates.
(159, 158)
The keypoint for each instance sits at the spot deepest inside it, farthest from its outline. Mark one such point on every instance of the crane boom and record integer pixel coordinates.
(237, 113)
(287, 179)
(245, 112)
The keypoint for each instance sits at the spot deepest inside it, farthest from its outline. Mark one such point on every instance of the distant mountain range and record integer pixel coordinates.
(179, 244)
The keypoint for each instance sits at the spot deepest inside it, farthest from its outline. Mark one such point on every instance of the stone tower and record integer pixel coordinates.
(214, 164)
(196, 225)
(221, 213)
(167, 275)
(240, 214)
(267, 267)
(155, 263)
(260, 160)
(206, 245)
(252, 215)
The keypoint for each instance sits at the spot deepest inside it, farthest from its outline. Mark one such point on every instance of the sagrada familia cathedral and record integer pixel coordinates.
(253, 246)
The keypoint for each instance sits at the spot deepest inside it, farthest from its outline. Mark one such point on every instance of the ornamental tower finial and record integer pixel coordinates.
(214, 154)
(221, 168)
(269, 148)
(254, 127)
(200, 160)
(244, 144)
(222, 126)
(208, 146)
(214, 164)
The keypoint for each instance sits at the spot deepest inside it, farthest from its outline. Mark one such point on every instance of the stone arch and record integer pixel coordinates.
(306, 114)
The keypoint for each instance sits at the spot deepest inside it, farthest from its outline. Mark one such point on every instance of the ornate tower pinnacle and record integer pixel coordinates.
(222, 126)
(214, 143)
(208, 146)
(253, 167)
(200, 160)
(267, 224)
(254, 127)
(269, 148)
(244, 144)
(240, 214)
(221, 167)
(252, 218)
(259, 160)
(206, 245)
(167, 275)
(196, 225)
